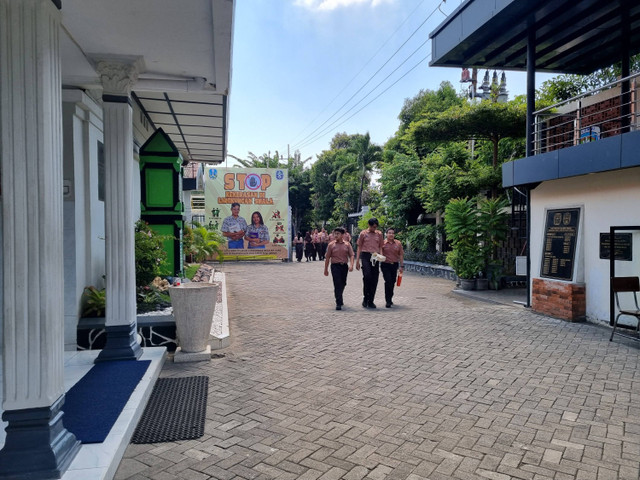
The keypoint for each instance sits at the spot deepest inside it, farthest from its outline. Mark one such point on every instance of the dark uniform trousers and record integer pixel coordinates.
(389, 273)
(339, 273)
(370, 275)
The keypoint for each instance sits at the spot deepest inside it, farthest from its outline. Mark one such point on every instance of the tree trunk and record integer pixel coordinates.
(361, 188)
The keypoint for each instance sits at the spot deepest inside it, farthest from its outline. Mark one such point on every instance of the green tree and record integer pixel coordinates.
(366, 156)
(263, 161)
(323, 178)
(299, 190)
(485, 120)
(400, 181)
(425, 104)
(564, 87)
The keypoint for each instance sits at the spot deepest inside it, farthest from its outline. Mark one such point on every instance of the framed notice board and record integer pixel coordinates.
(623, 246)
(559, 248)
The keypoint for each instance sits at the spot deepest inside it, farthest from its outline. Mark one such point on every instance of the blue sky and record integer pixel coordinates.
(293, 61)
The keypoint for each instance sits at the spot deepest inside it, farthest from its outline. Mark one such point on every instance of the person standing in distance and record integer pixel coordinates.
(338, 254)
(370, 241)
(234, 227)
(392, 249)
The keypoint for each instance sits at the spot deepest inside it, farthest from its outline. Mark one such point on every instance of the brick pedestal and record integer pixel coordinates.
(559, 299)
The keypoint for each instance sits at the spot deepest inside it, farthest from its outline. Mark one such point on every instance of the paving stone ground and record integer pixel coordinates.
(440, 386)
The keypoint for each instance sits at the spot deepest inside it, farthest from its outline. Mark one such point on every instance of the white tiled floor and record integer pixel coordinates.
(99, 461)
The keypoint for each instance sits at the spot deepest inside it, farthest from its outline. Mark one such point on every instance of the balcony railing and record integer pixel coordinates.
(601, 113)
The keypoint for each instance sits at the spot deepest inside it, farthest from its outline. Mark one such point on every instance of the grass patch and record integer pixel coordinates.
(249, 257)
(190, 270)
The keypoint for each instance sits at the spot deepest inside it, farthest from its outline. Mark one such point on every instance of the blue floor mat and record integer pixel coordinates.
(93, 404)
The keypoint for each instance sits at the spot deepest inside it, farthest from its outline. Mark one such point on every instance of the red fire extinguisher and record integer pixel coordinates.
(399, 279)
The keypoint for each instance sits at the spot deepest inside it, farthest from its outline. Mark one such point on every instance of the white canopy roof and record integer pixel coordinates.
(184, 49)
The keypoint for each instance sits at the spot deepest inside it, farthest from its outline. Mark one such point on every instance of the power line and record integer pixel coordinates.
(360, 71)
(327, 129)
(304, 140)
(324, 132)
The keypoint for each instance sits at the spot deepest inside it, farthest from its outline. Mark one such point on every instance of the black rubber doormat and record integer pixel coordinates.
(176, 411)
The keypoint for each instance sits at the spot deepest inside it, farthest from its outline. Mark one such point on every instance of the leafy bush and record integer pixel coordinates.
(420, 238)
(94, 302)
(461, 225)
(150, 254)
(465, 261)
(201, 243)
(151, 297)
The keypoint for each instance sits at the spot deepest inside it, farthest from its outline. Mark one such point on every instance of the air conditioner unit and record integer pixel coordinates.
(521, 266)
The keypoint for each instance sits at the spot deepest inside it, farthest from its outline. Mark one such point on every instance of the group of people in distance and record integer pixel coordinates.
(313, 244)
(340, 259)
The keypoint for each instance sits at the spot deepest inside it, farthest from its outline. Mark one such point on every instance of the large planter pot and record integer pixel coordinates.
(482, 283)
(193, 307)
(468, 283)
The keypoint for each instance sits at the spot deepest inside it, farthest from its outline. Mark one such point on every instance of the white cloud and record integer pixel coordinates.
(326, 5)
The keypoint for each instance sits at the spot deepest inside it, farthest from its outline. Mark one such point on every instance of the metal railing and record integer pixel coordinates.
(601, 113)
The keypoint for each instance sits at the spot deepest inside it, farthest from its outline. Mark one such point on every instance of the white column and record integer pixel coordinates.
(33, 309)
(117, 79)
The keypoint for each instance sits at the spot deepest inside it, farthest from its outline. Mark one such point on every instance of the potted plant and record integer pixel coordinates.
(466, 262)
(461, 226)
(492, 230)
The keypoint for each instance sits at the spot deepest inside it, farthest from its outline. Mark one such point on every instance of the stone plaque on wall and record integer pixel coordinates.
(559, 248)
(623, 246)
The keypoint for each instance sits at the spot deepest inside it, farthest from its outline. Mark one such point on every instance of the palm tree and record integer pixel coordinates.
(367, 155)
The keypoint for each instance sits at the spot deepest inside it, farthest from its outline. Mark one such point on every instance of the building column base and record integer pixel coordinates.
(563, 300)
(122, 344)
(37, 445)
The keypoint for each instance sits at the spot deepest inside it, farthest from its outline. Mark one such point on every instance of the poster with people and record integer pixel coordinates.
(249, 206)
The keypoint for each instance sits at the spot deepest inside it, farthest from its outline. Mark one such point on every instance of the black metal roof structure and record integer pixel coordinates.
(197, 123)
(570, 36)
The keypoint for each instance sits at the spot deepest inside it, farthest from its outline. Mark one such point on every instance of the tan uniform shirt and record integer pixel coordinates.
(370, 242)
(339, 252)
(393, 251)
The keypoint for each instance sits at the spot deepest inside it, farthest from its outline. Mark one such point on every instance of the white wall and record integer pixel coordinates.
(84, 224)
(606, 199)
(83, 211)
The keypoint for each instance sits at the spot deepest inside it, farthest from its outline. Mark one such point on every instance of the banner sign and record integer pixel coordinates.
(249, 206)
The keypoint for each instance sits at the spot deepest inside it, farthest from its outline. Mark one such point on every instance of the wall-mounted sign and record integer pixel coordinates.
(623, 246)
(560, 238)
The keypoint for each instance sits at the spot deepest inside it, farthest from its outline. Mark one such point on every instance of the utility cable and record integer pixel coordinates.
(296, 146)
(327, 129)
(360, 71)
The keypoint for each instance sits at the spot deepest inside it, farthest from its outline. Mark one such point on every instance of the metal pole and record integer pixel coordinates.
(531, 104)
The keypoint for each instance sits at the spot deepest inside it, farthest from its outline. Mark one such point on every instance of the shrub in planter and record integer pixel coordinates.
(94, 302)
(461, 225)
(492, 229)
(466, 262)
(150, 254)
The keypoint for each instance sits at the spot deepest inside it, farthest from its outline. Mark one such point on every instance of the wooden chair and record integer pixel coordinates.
(621, 285)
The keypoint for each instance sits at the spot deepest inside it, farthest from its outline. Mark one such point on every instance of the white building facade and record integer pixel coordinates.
(83, 84)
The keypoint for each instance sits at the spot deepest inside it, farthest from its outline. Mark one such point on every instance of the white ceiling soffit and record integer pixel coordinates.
(185, 49)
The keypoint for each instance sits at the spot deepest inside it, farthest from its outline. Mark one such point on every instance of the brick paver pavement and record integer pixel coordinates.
(438, 387)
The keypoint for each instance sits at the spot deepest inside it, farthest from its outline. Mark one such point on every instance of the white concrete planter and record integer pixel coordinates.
(193, 307)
